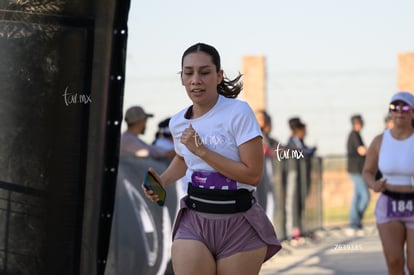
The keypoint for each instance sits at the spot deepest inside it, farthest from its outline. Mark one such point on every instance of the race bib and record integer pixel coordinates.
(400, 207)
(212, 180)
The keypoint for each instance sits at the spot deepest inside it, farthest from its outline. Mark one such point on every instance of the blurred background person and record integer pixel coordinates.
(293, 122)
(131, 144)
(265, 123)
(297, 140)
(266, 190)
(298, 178)
(163, 137)
(356, 151)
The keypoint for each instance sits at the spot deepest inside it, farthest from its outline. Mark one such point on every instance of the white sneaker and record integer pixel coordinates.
(360, 232)
(350, 232)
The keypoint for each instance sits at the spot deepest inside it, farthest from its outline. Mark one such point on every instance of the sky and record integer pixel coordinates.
(316, 52)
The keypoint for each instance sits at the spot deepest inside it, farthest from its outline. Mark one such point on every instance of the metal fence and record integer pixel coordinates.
(296, 194)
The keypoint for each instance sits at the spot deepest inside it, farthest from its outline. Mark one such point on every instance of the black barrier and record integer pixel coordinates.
(113, 127)
(45, 59)
(141, 230)
(61, 92)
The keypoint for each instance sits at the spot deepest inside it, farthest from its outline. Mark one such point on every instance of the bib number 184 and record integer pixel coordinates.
(400, 208)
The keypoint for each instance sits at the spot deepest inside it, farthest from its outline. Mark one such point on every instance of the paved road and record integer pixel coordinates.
(331, 252)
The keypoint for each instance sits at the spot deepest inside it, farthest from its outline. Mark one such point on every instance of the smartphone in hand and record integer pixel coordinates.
(151, 183)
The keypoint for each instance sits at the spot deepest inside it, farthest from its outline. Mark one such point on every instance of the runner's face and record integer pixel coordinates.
(200, 78)
(399, 115)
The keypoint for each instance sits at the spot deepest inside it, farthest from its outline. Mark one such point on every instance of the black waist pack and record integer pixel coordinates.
(218, 201)
(398, 195)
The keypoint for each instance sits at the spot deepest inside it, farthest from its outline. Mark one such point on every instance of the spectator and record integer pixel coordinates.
(131, 144)
(296, 141)
(356, 152)
(298, 177)
(163, 137)
(265, 123)
(293, 122)
(266, 189)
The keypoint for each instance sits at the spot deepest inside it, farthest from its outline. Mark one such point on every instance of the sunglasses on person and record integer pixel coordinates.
(403, 108)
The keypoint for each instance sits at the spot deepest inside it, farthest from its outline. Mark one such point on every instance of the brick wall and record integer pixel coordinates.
(254, 81)
(406, 71)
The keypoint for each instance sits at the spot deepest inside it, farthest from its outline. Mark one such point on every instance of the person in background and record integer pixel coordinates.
(293, 122)
(265, 122)
(266, 190)
(356, 151)
(393, 152)
(296, 141)
(131, 144)
(220, 229)
(293, 204)
(298, 178)
(163, 137)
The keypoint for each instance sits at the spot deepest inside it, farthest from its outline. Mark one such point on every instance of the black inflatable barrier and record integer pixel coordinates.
(61, 93)
(141, 230)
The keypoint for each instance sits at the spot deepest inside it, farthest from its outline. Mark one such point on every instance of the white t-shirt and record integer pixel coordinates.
(226, 126)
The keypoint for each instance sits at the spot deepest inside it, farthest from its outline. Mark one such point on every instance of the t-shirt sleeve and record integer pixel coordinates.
(244, 124)
(356, 140)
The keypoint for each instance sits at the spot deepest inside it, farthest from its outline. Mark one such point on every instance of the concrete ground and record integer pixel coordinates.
(331, 251)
